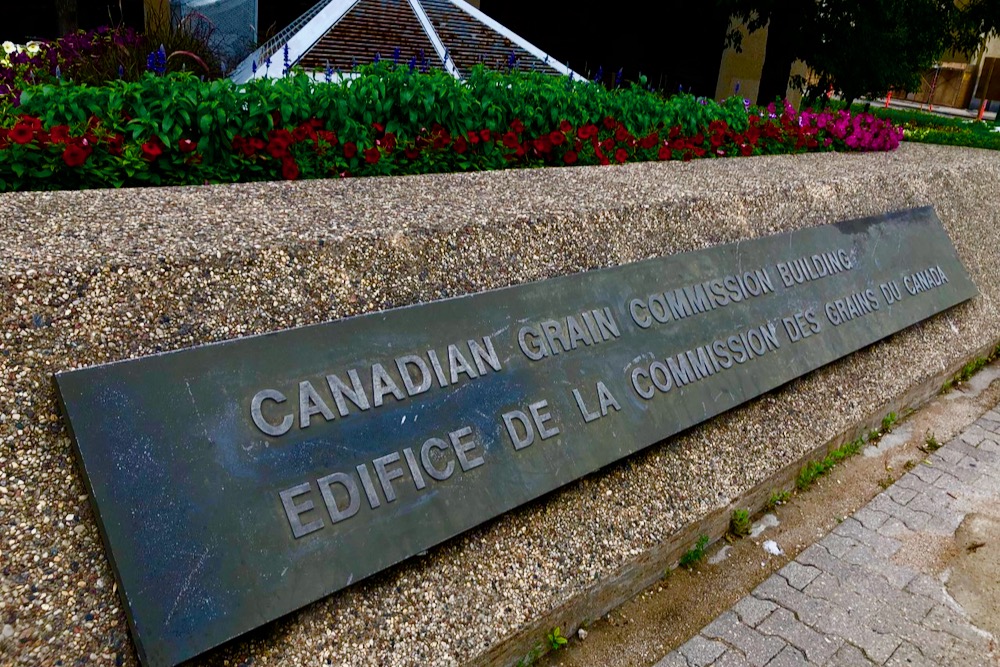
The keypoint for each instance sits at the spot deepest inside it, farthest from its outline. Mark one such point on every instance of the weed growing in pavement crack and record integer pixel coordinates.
(695, 554)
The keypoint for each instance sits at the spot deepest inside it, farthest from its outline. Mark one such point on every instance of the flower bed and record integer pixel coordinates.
(386, 119)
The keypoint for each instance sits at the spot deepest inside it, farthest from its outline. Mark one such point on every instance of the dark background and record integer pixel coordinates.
(673, 43)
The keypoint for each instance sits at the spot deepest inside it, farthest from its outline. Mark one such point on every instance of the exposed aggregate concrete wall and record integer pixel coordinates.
(99, 276)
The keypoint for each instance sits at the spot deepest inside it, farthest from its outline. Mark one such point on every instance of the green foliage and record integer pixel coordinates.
(970, 138)
(931, 443)
(533, 655)
(695, 554)
(929, 128)
(777, 498)
(888, 422)
(180, 130)
(739, 522)
(972, 367)
(866, 47)
(555, 639)
(910, 118)
(816, 469)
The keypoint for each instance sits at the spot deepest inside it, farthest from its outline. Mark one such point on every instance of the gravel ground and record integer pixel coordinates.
(99, 276)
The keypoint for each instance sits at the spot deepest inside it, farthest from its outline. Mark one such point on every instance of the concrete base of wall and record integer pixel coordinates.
(100, 276)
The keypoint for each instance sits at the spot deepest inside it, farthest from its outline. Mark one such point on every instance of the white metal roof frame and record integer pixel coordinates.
(269, 59)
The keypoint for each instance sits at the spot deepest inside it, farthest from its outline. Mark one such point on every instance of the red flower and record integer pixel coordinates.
(372, 155)
(186, 145)
(412, 153)
(485, 135)
(649, 140)
(152, 149)
(517, 126)
(278, 147)
(303, 132)
(621, 134)
(75, 155)
(510, 140)
(698, 139)
(289, 170)
(557, 137)
(570, 157)
(665, 153)
(542, 145)
(388, 142)
(610, 122)
(350, 150)
(34, 123)
(587, 131)
(327, 136)
(621, 155)
(441, 139)
(607, 144)
(473, 137)
(718, 126)
(378, 127)
(59, 134)
(565, 127)
(675, 131)
(21, 134)
(115, 144)
(461, 145)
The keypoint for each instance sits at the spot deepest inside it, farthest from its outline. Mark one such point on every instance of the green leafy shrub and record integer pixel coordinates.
(739, 522)
(386, 119)
(555, 639)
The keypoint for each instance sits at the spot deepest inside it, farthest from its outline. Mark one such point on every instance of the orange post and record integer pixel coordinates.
(982, 108)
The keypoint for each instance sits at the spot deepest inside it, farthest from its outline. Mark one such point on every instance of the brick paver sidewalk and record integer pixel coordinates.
(846, 602)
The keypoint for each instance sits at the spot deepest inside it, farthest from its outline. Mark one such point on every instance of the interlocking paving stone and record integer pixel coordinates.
(674, 659)
(900, 494)
(816, 647)
(871, 518)
(732, 658)
(757, 648)
(844, 602)
(701, 652)
(789, 657)
(908, 655)
(753, 610)
(849, 656)
(798, 575)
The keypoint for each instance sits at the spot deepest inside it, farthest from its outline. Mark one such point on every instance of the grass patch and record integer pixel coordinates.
(739, 523)
(816, 469)
(971, 368)
(695, 554)
(777, 498)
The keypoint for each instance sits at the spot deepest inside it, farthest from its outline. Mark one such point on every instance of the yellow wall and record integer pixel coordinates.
(743, 68)
(954, 86)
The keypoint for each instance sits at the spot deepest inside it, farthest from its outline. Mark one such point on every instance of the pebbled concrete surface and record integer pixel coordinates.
(856, 598)
(99, 276)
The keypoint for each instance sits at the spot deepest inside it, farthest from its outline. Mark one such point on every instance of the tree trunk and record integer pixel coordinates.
(66, 16)
(778, 57)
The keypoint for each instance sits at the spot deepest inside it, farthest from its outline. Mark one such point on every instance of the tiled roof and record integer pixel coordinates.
(470, 41)
(372, 27)
(447, 34)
